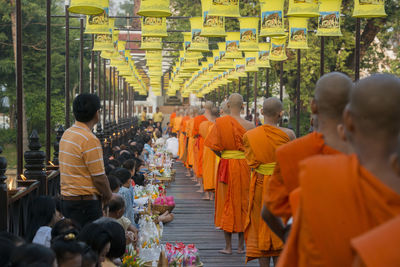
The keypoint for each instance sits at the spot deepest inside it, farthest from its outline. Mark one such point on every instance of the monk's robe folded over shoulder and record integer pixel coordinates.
(199, 145)
(182, 138)
(339, 201)
(208, 159)
(227, 137)
(380, 246)
(177, 124)
(286, 175)
(260, 146)
(172, 121)
(190, 146)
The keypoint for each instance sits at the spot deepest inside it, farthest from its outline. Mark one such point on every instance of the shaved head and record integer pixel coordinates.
(332, 93)
(375, 105)
(272, 107)
(208, 105)
(225, 108)
(235, 101)
(215, 112)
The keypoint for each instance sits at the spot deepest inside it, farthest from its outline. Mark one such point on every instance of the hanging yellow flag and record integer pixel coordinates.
(151, 43)
(154, 54)
(278, 49)
(154, 8)
(298, 32)
(251, 58)
(263, 54)
(224, 62)
(88, 7)
(153, 26)
(272, 22)
(232, 45)
(240, 67)
(103, 42)
(98, 24)
(329, 18)
(213, 26)
(303, 8)
(224, 8)
(198, 43)
(248, 34)
(369, 9)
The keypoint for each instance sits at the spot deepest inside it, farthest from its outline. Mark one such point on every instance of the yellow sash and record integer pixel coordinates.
(232, 154)
(266, 169)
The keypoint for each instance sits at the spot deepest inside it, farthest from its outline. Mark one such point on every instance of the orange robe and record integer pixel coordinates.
(286, 174)
(171, 121)
(198, 146)
(380, 246)
(339, 201)
(260, 145)
(209, 158)
(228, 135)
(177, 124)
(182, 137)
(191, 142)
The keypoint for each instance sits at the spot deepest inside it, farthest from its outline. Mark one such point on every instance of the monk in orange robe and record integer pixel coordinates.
(190, 142)
(177, 122)
(220, 187)
(260, 145)
(183, 138)
(209, 158)
(344, 196)
(226, 139)
(330, 98)
(380, 246)
(199, 141)
(172, 118)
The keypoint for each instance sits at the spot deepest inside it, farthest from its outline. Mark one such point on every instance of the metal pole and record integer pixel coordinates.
(267, 82)
(81, 41)
(119, 101)
(67, 89)
(114, 93)
(357, 51)
(255, 98)
(247, 94)
(99, 76)
(298, 92)
(219, 95)
(19, 87)
(227, 90)
(322, 60)
(281, 81)
(48, 80)
(239, 84)
(92, 68)
(110, 93)
(125, 97)
(104, 93)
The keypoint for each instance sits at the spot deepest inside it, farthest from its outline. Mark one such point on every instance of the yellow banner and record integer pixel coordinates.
(251, 58)
(88, 7)
(263, 54)
(224, 8)
(240, 67)
(303, 8)
(272, 18)
(156, 54)
(151, 43)
(298, 32)
(369, 8)
(103, 42)
(248, 34)
(198, 43)
(232, 45)
(98, 24)
(213, 26)
(278, 49)
(329, 18)
(155, 27)
(154, 8)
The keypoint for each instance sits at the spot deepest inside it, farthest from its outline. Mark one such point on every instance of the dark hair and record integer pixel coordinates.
(114, 182)
(89, 257)
(95, 236)
(32, 255)
(85, 107)
(118, 240)
(41, 212)
(66, 247)
(115, 163)
(172, 134)
(129, 164)
(122, 174)
(63, 227)
(116, 203)
(16, 240)
(6, 249)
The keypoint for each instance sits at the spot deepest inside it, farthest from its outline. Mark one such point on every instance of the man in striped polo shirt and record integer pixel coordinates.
(84, 184)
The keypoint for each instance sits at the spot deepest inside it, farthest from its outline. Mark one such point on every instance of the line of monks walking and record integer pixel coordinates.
(330, 198)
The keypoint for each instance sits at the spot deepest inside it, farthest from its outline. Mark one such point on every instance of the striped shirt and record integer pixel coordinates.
(81, 158)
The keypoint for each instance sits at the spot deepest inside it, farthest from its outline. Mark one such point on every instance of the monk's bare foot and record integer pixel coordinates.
(241, 251)
(200, 191)
(226, 251)
(198, 184)
(205, 198)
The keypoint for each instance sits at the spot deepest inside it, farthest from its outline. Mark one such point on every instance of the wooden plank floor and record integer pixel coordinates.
(194, 223)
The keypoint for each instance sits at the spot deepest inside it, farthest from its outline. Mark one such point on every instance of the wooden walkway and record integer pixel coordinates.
(194, 224)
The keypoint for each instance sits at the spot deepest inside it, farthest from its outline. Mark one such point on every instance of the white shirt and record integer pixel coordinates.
(43, 236)
(173, 146)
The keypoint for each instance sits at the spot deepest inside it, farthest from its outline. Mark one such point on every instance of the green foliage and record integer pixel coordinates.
(7, 136)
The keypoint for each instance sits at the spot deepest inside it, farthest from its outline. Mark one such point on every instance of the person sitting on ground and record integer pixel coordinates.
(7, 247)
(98, 238)
(160, 140)
(126, 191)
(33, 255)
(115, 184)
(68, 251)
(173, 145)
(63, 227)
(89, 257)
(41, 218)
(138, 177)
(16, 240)
(147, 150)
(130, 165)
